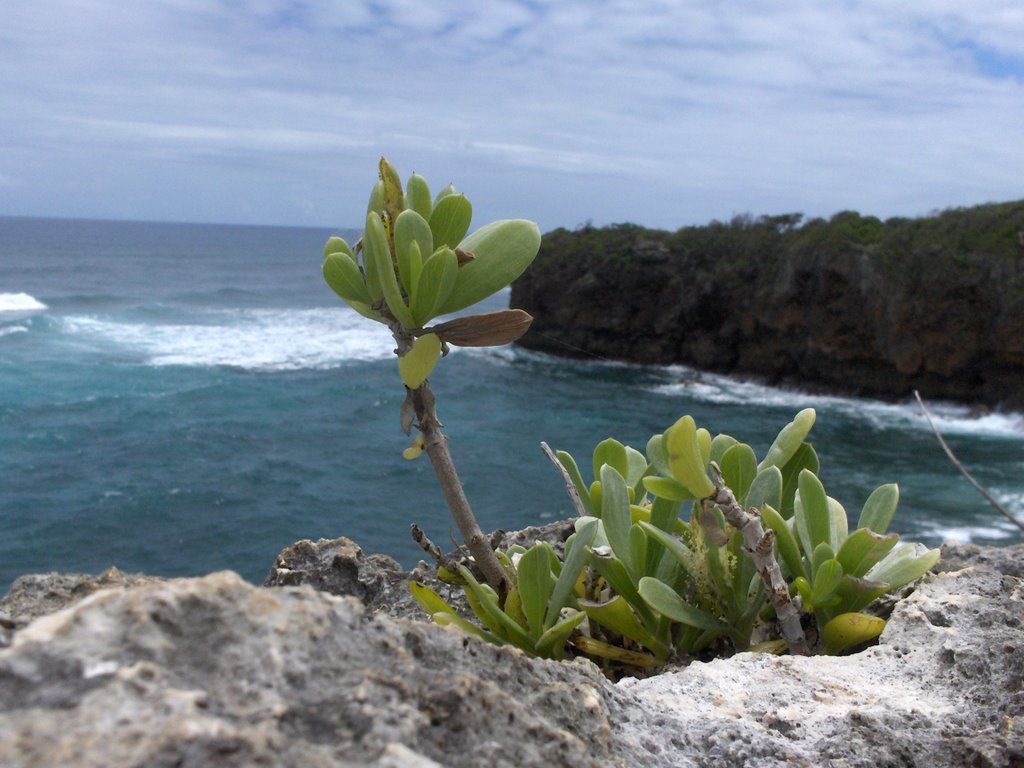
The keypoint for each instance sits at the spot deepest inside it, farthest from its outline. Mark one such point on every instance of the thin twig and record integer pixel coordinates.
(757, 543)
(570, 486)
(433, 550)
(956, 463)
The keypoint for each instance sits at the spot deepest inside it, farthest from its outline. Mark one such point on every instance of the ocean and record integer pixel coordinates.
(183, 398)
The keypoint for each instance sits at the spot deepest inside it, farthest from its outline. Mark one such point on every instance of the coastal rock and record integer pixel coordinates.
(214, 671)
(851, 305)
(38, 594)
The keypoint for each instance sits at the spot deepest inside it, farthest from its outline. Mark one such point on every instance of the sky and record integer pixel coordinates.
(567, 112)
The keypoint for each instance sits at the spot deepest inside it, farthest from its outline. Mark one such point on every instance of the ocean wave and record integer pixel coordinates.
(20, 302)
(13, 329)
(254, 339)
(949, 418)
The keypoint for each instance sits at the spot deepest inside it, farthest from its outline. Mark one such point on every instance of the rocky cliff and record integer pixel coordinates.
(216, 672)
(852, 304)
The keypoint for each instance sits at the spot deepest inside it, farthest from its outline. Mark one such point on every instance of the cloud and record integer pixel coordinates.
(664, 113)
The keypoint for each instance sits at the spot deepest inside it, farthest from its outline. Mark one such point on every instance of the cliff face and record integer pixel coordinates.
(852, 304)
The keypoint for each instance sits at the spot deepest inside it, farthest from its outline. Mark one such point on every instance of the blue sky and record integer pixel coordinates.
(657, 112)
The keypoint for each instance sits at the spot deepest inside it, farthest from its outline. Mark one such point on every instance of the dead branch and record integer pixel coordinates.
(963, 471)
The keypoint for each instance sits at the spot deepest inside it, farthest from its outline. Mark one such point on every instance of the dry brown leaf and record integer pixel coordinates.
(490, 329)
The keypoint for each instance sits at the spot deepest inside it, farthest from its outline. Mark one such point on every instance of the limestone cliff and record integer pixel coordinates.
(852, 304)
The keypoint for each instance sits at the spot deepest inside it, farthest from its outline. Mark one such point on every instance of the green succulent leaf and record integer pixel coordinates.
(812, 514)
(551, 644)
(739, 468)
(617, 616)
(615, 515)
(636, 467)
(436, 283)
(862, 549)
(612, 453)
(376, 249)
(575, 559)
(903, 565)
(856, 593)
(821, 553)
(376, 202)
(665, 514)
(685, 458)
(449, 220)
(785, 542)
(417, 198)
(766, 489)
(428, 599)
(840, 522)
(719, 445)
(593, 647)
(880, 507)
(686, 556)
(666, 601)
(345, 279)
(789, 440)
(804, 458)
(849, 629)
(489, 604)
(444, 619)
(569, 464)
(411, 228)
(416, 364)
(535, 585)
(337, 245)
(615, 573)
(667, 488)
(658, 455)
(502, 250)
(445, 191)
(826, 580)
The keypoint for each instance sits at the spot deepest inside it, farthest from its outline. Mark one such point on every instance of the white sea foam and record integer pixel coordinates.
(948, 418)
(13, 329)
(255, 339)
(20, 302)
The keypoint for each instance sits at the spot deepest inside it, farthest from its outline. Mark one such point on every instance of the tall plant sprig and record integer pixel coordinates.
(413, 264)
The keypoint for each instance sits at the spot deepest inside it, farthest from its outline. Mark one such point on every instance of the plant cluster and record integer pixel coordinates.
(694, 544)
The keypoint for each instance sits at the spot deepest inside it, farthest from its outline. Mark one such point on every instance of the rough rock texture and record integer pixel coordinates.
(37, 594)
(878, 320)
(338, 566)
(213, 671)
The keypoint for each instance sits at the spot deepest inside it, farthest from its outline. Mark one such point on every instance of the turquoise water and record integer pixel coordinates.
(180, 398)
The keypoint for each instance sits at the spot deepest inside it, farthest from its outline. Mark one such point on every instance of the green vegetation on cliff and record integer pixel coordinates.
(852, 302)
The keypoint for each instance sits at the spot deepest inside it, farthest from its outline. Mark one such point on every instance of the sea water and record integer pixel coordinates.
(181, 398)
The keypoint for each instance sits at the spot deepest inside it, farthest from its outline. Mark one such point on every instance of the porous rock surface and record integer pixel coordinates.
(216, 672)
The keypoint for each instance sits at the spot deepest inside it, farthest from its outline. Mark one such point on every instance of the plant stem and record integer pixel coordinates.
(436, 446)
(758, 544)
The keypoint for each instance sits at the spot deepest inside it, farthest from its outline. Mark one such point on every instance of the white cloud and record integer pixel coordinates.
(660, 112)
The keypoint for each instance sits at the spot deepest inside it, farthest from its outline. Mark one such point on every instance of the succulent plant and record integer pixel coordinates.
(650, 581)
(414, 263)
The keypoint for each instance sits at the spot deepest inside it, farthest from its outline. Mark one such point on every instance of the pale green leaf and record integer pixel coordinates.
(880, 507)
(437, 281)
(449, 220)
(666, 601)
(345, 279)
(502, 250)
